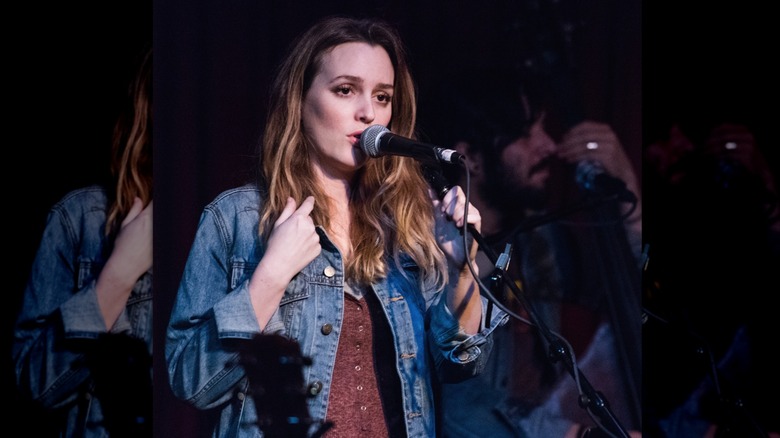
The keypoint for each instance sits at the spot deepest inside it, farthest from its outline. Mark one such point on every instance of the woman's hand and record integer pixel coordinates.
(450, 215)
(292, 244)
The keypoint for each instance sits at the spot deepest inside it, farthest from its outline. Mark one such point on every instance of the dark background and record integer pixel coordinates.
(711, 266)
(634, 65)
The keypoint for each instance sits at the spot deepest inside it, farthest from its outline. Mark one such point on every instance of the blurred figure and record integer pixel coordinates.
(83, 339)
(577, 268)
(712, 275)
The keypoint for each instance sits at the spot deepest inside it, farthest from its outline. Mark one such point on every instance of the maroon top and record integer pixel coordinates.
(365, 394)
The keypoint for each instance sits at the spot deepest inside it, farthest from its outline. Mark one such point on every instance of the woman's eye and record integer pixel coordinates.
(383, 98)
(344, 90)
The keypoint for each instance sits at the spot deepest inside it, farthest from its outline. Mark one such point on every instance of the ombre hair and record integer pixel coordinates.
(131, 149)
(391, 213)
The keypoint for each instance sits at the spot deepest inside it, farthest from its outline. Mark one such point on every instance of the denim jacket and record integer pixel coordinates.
(60, 323)
(213, 313)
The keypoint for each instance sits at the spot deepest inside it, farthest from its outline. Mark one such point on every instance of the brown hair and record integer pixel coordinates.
(391, 212)
(131, 149)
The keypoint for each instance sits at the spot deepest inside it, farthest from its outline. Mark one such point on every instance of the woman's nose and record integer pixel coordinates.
(365, 111)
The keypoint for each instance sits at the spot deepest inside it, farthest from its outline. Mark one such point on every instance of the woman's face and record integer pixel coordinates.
(352, 90)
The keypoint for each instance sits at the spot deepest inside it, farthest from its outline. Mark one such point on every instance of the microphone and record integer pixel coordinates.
(377, 141)
(591, 176)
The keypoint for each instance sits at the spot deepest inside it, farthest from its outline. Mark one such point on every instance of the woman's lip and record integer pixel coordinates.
(355, 138)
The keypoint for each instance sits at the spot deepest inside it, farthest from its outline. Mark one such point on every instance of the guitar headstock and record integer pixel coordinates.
(274, 366)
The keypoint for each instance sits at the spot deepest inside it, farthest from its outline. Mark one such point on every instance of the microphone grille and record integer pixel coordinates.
(586, 172)
(369, 139)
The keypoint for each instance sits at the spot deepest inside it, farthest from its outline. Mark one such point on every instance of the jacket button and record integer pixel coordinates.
(315, 387)
(326, 329)
(463, 356)
(330, 271)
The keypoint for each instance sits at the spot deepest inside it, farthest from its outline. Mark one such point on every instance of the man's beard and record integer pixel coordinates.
(514, 198)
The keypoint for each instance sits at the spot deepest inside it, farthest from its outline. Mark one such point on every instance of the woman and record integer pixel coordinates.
(83, 339)
(348, 257)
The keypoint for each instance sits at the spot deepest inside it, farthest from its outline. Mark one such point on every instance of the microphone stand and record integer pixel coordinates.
(590, 399)
(737, 417)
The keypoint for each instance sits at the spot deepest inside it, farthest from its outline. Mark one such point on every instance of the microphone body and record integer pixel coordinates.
(436, 180)
(377, 141)
(591, 176)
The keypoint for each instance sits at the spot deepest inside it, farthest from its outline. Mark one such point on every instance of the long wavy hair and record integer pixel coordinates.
(131, 148)
(391, 213)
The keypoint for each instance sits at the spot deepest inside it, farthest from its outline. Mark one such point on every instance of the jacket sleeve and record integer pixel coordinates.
(59, 319)
(458, 356)
(210, 318)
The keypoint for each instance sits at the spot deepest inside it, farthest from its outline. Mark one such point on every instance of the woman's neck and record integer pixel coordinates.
(338, 191)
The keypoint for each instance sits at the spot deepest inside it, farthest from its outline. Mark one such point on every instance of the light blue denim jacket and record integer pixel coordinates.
(213, 310)
(59, 316)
